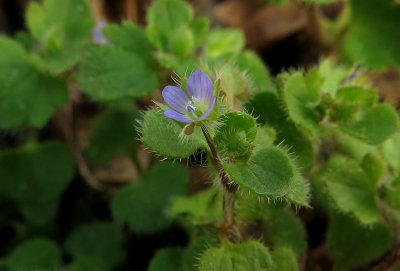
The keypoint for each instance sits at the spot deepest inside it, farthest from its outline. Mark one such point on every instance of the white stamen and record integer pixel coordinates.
(190, 108)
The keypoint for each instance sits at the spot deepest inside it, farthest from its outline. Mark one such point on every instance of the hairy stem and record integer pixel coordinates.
(216, 160)
(230, 188)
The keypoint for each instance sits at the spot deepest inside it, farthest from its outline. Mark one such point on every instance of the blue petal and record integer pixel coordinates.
(175, 98)
(176, 116)
(199, 85)
(210, 108)
(98, 35)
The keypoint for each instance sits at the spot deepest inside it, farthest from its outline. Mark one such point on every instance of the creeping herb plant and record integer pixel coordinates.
(250, 163)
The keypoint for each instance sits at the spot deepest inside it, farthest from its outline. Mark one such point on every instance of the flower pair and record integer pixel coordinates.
(195, 104)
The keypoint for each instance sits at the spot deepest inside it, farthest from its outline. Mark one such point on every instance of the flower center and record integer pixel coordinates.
(190, 108)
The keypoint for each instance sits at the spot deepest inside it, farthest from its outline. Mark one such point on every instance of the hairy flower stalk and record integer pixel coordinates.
(194, 106)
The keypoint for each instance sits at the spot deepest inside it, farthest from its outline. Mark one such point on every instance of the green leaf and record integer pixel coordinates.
(100, 241)
(356, 96)
(143, 205)
(61, 28)
(269, 111)
(390, 152)
(129, 37)
(164, 18)
(353, 200)
(39, 174)
(367, 243)
(267, 173)
(201, 240)
(374, 166)
(372, 39)
(284, 259)
(375, 125)
(181, 42)
(301, 97)
(280, 226)
(249, 256)
(352, 147)
(256, 71)
(26, 96)
(109, 73)
(235, 136)
(285, 229)
(352, 101)
(201, 208)
(162, 135)
(105, 145)
(350, 189)
(35, 254)
(168, 259)
(200, 28)
(391, 194)
(270, 173)
(332, 76)
(223, 42)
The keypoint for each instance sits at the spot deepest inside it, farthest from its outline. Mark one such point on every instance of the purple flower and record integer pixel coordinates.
(98, 35)
(193, 106)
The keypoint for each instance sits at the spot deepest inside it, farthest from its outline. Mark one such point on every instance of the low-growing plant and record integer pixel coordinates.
(248, 160)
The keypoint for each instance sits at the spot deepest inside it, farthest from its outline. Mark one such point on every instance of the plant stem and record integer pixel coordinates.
(228, 207)
(229, 225)
(216, 160)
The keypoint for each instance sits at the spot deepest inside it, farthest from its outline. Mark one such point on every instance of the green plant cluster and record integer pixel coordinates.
(317, 140)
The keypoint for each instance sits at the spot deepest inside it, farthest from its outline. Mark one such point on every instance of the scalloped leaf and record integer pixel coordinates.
(130, 37)
(110, 73)
(26, 96)
(375, 125)
(61, 28)
(301, 95)
(39, 174)
(270, 173)
(170, 27)
(351, 191)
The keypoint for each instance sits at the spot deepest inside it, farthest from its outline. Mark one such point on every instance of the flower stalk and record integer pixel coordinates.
(229, 225)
